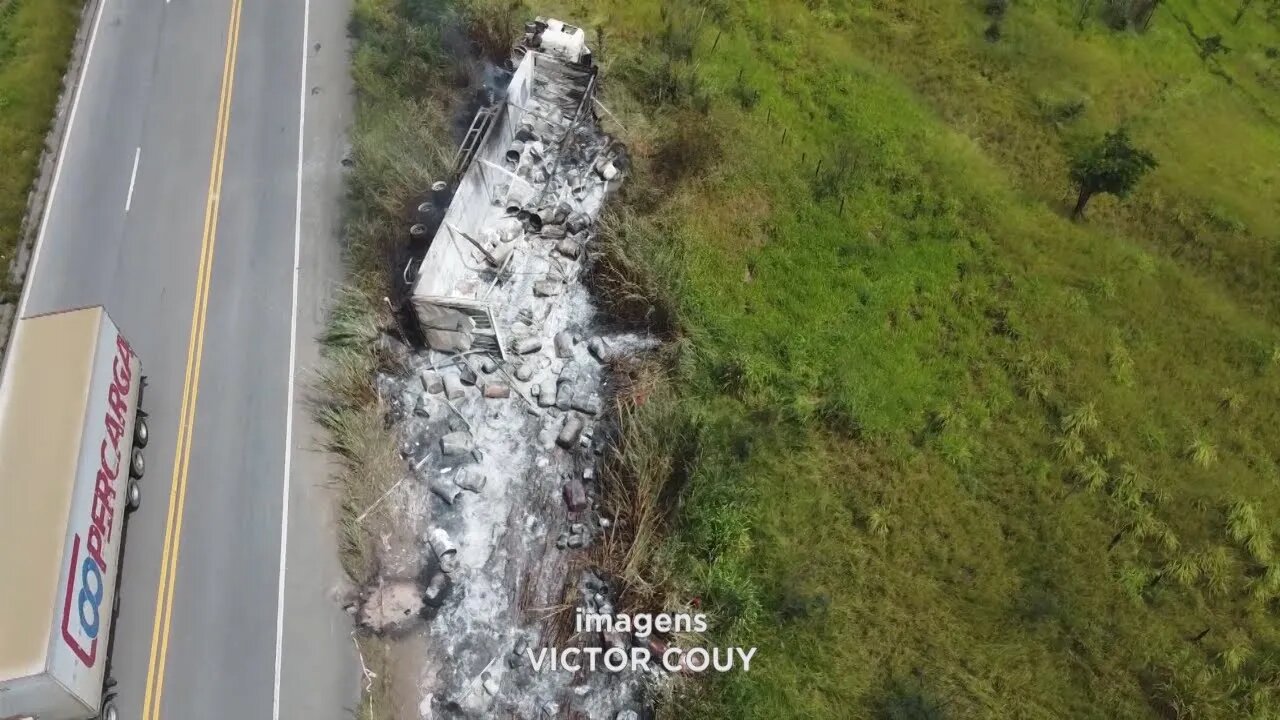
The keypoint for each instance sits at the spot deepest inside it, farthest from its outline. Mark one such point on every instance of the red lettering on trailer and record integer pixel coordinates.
(91, 573)
(114, 430)
(115, 402)
(110, 469)
(124, 372)
(102, 513)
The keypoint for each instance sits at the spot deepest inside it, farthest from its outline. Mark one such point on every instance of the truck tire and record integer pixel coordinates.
(133, 497)
(137, 464)
(109, 712)
(141, 433)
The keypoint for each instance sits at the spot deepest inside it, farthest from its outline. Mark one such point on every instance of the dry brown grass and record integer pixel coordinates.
(637, 482)
(631, 284)
(494, 26)
(371, 466)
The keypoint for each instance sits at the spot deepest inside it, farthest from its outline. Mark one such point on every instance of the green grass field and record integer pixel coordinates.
(35, 44)
(950, 454)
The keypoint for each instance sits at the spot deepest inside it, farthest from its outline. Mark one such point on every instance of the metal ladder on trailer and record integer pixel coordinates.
(471, 141)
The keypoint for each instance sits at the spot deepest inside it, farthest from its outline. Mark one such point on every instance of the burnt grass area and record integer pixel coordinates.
(450, 529)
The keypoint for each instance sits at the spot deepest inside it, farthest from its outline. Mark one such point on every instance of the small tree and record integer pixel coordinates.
(1111, 165)
(1211, 46)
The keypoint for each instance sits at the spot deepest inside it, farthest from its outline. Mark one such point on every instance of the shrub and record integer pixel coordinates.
(1111, 165)
(1202, 452)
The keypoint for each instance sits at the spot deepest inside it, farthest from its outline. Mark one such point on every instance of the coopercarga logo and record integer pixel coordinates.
(86, 579)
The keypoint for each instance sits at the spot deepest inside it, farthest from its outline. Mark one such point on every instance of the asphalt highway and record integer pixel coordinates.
(195, 197)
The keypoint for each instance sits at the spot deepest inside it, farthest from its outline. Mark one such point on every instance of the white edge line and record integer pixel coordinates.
(293, 348)
(29, 281)
(133, 178)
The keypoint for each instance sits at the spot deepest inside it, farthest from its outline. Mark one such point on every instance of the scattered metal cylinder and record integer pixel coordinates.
(524, 346)
(468, 479)
(437, 590)
(432, 382)
(446, 552)
(453, 387)
(444, 488)
(564, 344)
(466, 373)
(546, 395)
(568, 375)
(514, 152)
(569, 248)
(570, 432)
(564, 396)
(456, 443)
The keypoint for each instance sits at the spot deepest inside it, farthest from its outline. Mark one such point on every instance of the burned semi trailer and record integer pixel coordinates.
(529, 171)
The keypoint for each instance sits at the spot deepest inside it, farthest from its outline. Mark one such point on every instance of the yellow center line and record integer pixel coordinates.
(191, 387)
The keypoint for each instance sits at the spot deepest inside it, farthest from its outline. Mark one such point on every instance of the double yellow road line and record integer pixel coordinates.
(191, 387)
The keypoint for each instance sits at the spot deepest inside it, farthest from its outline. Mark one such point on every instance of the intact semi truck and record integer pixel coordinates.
(71, 439)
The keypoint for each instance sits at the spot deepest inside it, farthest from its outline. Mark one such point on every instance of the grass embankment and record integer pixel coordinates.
(409, 74)
(397, 141)
(407, 85)
(35, 45)
(943, 450)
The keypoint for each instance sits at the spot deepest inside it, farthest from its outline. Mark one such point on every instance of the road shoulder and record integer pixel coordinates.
(319, 669)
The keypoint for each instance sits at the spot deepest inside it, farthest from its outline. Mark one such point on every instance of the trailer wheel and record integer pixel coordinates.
(137, 464)
(141, 433)
(134, 496)
(109, 712)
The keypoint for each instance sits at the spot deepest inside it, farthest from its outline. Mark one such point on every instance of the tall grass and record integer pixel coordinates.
(641, 479)
(943, 434)
(35, 45)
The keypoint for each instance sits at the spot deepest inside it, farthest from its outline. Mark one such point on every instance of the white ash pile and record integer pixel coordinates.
(394, 607)
(499, 416)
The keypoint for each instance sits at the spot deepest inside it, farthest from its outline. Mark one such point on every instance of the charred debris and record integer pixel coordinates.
(500, 404)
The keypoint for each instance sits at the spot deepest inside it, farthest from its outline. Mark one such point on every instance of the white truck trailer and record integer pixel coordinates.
(71, 438)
